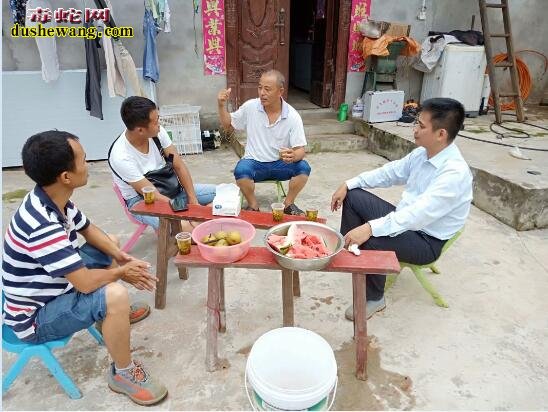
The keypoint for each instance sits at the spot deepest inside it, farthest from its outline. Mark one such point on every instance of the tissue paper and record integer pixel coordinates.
(227, 200)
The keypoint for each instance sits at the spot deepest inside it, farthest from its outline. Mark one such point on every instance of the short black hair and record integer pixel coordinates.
(135, 111)
(46, 155)
(445, 114)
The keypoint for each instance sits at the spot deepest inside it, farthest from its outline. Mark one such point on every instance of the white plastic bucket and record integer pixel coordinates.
(291, 369)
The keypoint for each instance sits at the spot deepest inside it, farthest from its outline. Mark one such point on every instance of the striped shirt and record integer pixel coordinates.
(40, 248)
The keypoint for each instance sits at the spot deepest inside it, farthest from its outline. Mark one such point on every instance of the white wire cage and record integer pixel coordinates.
(182, 123)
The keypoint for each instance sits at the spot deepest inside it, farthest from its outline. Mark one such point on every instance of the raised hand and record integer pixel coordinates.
(223, 96)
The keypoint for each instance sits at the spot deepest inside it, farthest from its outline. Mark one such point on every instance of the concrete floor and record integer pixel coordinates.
(486, 351)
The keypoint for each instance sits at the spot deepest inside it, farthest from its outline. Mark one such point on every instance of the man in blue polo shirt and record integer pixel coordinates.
(275, 141)
(53, 287)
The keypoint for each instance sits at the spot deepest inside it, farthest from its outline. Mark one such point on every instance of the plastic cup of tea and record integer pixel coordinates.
(311, 213)
(184, 242)
(148, 194)
(277, 211)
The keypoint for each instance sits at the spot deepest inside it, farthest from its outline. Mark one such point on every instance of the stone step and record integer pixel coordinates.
(335, 143)
(318, 143)
(318, 126)
(307, 114)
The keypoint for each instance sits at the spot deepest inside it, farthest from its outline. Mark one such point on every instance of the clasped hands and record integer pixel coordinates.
(287, 155)
(136, 272)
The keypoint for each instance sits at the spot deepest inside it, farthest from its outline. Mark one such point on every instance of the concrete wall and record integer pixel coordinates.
(528, 28)
(181, 70)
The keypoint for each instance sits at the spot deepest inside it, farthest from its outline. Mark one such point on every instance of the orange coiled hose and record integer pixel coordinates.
(524, 78)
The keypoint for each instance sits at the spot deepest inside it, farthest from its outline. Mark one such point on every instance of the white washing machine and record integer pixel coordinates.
(459, 75)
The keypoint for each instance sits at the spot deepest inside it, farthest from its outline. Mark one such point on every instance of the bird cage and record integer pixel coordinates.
(182, 123)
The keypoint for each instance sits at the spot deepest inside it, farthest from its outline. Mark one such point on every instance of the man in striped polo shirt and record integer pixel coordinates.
(52, 286)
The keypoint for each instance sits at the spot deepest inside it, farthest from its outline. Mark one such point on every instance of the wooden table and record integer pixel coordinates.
(370, 262)
(169, 226)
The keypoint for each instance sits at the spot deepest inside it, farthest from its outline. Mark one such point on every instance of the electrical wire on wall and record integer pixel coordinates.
(195, 11)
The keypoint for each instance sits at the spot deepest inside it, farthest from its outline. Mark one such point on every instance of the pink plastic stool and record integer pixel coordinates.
(140, 226)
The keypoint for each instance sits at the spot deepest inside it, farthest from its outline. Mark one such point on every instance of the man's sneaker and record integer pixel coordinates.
(139, 386)
(137, 311)
(372, 307)
(292, 209)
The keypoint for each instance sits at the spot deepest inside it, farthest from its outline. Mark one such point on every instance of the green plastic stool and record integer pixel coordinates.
(279, 188)
(417, 270)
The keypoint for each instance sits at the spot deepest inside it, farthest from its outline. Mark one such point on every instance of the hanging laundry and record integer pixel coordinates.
(47, 46)
(18, 11)
(126, 65)
(167, 18)
(115, 81)
(94, 100)
(153, 7)
(431, 50)
(161, 13)
(151, 67)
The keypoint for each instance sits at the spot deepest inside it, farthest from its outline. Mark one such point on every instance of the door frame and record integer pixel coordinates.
(341, 61)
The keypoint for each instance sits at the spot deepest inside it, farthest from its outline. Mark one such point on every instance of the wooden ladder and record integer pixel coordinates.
(510, 62)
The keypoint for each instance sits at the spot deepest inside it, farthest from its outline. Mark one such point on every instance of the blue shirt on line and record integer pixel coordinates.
(437, 195)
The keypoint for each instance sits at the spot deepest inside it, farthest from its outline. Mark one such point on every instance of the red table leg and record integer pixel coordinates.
(360, 324)
(287, 297)
(212, 359)
(222, 312)
(296, 284)
(162, 258)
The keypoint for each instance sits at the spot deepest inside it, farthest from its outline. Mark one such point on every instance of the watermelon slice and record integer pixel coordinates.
(316, 244)
(279, 243)
(298, 244)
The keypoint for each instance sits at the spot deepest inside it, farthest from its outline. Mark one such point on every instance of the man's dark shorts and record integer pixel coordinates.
(73, 311)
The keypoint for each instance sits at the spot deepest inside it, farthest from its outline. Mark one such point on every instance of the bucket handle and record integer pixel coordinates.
(334, 394)
(247, 390)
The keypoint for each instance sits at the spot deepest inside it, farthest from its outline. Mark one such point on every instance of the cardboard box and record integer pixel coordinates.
(397, 29)
(382, 106)
(227, 200)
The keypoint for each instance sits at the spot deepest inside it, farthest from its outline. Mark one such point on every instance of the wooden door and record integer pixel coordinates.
(323, 67)
(343, 30)
(257, 39)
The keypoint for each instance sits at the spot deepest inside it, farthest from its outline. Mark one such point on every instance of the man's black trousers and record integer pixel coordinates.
(361, 206)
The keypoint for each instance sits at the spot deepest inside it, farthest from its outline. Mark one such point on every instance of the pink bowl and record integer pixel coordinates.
(224, 254)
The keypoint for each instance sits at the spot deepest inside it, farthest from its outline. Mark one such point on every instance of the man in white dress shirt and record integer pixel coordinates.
(434, 205)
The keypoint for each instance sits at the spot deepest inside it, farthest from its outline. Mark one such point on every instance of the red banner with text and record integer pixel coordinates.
(360, 10)
(213, 24)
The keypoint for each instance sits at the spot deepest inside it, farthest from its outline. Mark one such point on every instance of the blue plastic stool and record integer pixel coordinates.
(26, 351)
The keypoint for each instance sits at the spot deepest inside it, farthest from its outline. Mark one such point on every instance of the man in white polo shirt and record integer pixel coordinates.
(275, 141)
